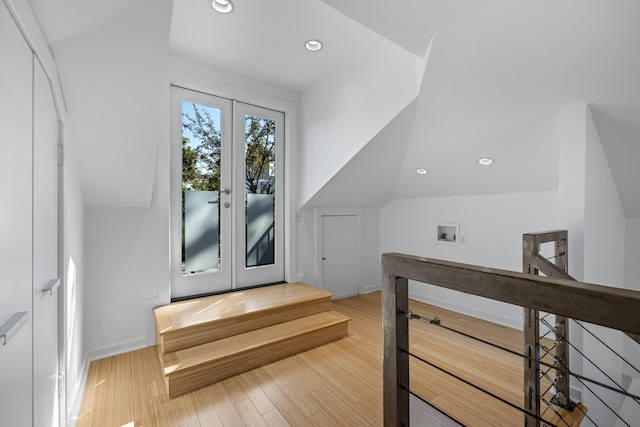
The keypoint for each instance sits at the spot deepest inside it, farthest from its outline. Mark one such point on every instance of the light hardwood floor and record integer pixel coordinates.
(338, 384)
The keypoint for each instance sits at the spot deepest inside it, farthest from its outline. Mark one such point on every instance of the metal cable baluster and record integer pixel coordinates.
(603, 343)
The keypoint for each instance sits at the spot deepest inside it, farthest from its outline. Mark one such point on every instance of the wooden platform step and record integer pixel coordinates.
(193, 368)
(570, 418)
(195, 322)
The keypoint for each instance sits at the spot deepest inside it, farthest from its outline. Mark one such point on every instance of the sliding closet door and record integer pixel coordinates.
(15, 225)
(45, 252)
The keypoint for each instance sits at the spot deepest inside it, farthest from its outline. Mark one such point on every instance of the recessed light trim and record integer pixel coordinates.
(422, 171)
(313, 45)
(485, 161)
(222, 6)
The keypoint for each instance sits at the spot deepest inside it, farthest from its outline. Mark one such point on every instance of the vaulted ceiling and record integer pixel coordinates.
(497, 73)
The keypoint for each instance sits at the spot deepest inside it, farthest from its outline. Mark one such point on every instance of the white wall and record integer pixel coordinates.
(590, 208)
(125, 269)
(492, 226)
(571, 209)
(604, 229)
(571, 183)
(604, 226)
(305, 246)
(371, 250)
(73, 314)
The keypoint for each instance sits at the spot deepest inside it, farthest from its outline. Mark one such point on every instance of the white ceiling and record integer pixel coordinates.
(264, 40)
(111, 59)
(497, 72)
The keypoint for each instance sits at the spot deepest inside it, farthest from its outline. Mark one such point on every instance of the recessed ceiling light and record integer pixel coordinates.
(313, 45)
(485, 161)
(422, 171)
(222, 6)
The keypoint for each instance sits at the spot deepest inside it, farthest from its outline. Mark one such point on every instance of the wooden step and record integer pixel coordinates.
(191, 323)
(569, 418)
(196, 367)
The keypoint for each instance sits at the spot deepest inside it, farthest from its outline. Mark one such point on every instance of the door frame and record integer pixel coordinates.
(319, 213)
(183, 73)
(282, 102)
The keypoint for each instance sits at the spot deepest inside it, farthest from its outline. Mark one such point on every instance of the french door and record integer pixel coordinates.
(227, 199)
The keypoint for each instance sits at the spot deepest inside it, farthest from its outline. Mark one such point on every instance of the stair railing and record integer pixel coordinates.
(534, 263)
(606, 306)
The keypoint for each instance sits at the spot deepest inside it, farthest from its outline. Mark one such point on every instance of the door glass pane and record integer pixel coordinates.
(200, 188)
(260, 190)
(201, 230)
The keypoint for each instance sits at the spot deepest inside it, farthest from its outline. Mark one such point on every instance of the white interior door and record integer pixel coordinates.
(15, 223)
(45, 253)
(227, 194)
(340, 260)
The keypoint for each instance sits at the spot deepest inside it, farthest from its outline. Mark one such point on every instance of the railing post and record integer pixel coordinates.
(531, 261)
(531, 341)
(561, 397)
(531, 367)
(562, 332)
(395, 328)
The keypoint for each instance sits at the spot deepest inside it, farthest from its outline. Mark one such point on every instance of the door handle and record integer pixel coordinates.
(226, 191)
(51, 286)
(13, 325)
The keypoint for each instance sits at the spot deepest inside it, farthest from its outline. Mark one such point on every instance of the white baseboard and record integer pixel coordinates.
(113, 350)
(369, 289)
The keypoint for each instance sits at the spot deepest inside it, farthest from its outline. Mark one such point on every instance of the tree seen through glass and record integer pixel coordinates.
(201, 162)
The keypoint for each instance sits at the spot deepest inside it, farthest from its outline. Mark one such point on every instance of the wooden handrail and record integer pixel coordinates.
(602, 305)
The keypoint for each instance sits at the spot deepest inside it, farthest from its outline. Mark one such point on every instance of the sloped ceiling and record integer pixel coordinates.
(111, 61)
(369, 179)
(497, 73)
